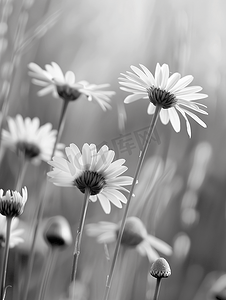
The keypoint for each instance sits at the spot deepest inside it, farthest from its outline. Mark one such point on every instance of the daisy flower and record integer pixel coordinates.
(55, 82)
(27, 137)
(12, 203)
(170, 92)
(134, 236)
(15, 234)
(92, 170)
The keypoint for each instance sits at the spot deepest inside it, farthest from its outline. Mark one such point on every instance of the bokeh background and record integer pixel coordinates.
(181, 193)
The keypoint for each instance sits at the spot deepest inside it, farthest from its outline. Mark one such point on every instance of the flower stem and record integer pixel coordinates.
(79, 236)
(60, 125)
(139, 165)
(45, 279)
(22, 173)
(40, 207)
(5, 257)
(38, 217)
(157, 288)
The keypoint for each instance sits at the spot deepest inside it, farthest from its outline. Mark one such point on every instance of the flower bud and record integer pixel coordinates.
(160, 268)
(12, 204)
(57, 232)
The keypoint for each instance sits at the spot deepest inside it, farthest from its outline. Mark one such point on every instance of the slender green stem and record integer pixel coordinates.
(5, 257)
(60, 125)
(79, 236)
(157, 288)
(21, 174)
(48, 267)
(139, 165)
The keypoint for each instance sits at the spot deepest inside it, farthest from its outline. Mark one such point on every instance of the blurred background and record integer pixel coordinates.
(181, 193)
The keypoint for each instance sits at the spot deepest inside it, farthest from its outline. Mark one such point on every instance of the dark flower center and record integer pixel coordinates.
(10, 208)
(54, 240)
(90, 180)
(161, 97)
(68, 93)
(29, 150)
(131, 236)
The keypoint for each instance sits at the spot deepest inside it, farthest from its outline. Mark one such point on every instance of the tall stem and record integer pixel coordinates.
(60, 125)
(5, 257)
(38, 218)
(40, 208)
(139, 165)
(79, 236)
(21, 174)
(157, 288)
(45, 279)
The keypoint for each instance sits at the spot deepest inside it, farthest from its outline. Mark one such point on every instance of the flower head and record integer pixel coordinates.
(15, 234)
(57, 232)
(171, 93)
(160, 268)
(27, 137)
(55, 82)
(12, 204)
(134, 236)
(92, 170)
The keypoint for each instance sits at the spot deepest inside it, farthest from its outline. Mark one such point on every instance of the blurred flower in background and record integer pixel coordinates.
(134, 236)
(15, 235)
(94, 171)
(27, 137)
(64, 86)
(169, 92)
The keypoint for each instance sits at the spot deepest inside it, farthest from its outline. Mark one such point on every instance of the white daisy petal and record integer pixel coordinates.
(186, 120)
(151, 108)
(114, 200)
(132, 98)
(149, 74)
(191, 97)
(164, 116)
(70, 77)
(174, 119)
(196, 118)
(165, 76)
(183, 82)
(173, 79)
(105, 203)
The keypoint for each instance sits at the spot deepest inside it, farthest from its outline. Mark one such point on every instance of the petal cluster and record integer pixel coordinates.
(28, 137)
(15, 233)
(94, 170)
(12, 203)
(53, 81)
(170, 92)
(134, 235)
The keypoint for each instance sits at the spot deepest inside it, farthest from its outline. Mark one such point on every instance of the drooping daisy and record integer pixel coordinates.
(27, 137)
(12, 203)
(15, 233)
(134, 236)
(93, 170)
(171, 93)
(55, 82)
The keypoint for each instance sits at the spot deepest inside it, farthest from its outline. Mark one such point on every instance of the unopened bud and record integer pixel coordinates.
(57, 232)
(160, 268)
